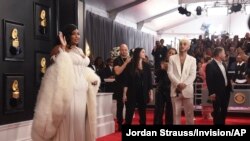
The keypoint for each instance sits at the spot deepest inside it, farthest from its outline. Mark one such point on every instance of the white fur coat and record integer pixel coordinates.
(54, 98)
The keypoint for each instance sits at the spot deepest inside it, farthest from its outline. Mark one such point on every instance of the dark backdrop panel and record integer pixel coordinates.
(68, 12)
(99, 35)
(103, 34)
(22, 11)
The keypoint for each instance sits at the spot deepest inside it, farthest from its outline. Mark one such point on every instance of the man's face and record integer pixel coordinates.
(184, 46)
(222, 55)
(123, 50)
(162, 41)
(157, 43)
(110, 63)
(238, 59)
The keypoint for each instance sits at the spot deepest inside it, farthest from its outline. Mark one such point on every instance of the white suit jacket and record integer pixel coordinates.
(187, 76)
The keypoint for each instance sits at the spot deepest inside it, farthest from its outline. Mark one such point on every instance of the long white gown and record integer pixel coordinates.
(73, 125)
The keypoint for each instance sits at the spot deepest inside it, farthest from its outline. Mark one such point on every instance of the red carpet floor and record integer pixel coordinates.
(231, 120)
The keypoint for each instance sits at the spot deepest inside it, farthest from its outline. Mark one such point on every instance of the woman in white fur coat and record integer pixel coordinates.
(66, 102)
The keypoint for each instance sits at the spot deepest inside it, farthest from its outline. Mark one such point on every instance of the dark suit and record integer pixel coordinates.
(107, 72)
(216, 85)
(92, 67)
(240, 72)
(139, 84)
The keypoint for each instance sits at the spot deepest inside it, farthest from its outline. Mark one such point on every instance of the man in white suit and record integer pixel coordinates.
(182, 73)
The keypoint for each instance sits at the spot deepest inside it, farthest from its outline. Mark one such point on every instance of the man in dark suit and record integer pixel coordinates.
(108, 73)
(219, 86)
(108, 70)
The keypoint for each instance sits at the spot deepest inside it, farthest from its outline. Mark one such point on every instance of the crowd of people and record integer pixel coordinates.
(65, 108)
(232, 53)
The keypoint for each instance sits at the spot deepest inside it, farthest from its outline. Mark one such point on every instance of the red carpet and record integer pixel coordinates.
(231, 120)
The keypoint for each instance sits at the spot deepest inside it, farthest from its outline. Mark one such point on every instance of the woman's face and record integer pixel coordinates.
(171, 52)
(142, 54)
(199, 65)
(99, 61)
(75, 37)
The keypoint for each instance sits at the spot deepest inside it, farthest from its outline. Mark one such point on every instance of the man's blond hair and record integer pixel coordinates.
(185, 40)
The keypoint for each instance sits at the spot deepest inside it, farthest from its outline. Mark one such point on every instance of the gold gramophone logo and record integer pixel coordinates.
(14, 37)
(239, 98)
(15, 90)
(43, 21)
(43, 65)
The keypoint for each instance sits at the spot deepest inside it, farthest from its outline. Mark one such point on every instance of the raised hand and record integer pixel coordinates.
(128, 60)
(62, 40)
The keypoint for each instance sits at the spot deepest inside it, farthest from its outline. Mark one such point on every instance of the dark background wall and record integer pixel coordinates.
(24, 67)
(73, 12)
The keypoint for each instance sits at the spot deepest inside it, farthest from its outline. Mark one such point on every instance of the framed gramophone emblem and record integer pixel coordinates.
(42, 63)
(13, 41)
(41, 21)
(13, 93)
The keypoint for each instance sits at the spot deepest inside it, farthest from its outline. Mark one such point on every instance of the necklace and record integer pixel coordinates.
(123, 59)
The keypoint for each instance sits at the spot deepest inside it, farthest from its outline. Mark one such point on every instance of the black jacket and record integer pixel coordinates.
(132, 82)
(162, 80)
(215, 80)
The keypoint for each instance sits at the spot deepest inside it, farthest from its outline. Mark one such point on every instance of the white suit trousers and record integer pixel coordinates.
(188, 105)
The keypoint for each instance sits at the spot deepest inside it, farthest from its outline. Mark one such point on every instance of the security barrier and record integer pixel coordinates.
(239, 97)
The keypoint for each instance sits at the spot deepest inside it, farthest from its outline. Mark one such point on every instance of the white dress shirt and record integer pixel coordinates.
(223, 70)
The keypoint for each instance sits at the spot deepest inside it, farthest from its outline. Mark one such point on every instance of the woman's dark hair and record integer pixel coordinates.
(166, 55)
(67, 32)
(135, 60)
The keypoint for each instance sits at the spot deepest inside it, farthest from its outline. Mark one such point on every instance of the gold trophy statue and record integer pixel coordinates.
(43, 22)
(14, 36)
(15, 44)
(43, 66)
(15, 90)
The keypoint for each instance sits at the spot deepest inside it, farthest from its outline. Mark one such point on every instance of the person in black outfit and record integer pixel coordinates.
(219, 86)
(108, 70)
(91, 63)
(108, 73)
(240, 76)
(162, 98)
(120, 64)
(99, 65)
(248, 70)
(159, 52)
(138, 87)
